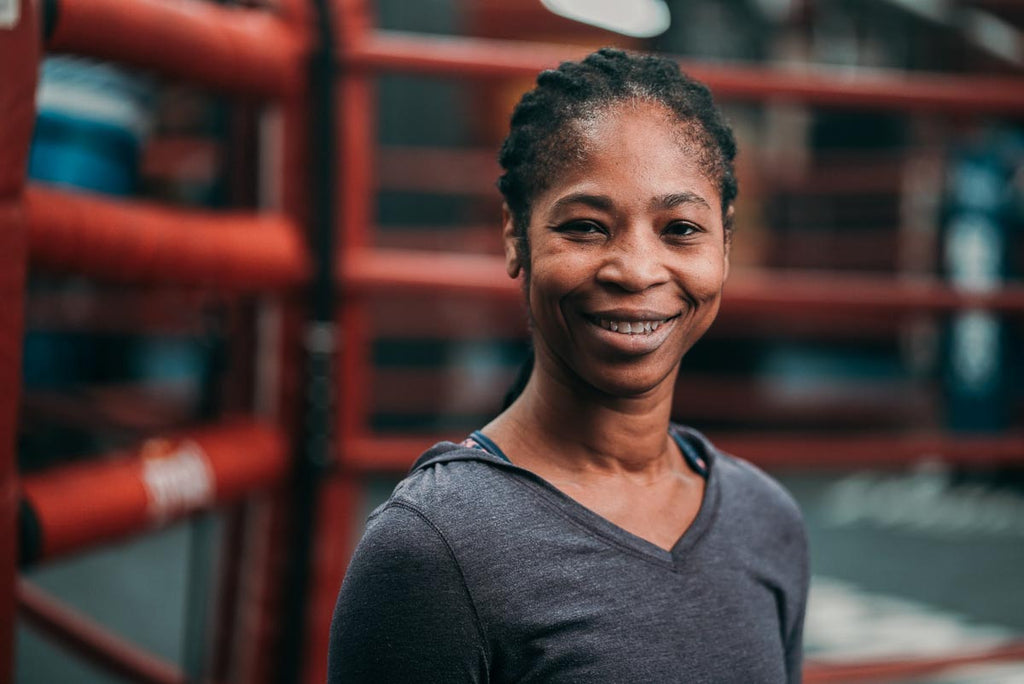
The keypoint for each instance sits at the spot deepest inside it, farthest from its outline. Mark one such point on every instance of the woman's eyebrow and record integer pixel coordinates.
(676, 199)
(602, 202)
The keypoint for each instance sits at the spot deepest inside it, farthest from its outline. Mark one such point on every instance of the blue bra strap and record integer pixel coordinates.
(693, 459)
(488, 445)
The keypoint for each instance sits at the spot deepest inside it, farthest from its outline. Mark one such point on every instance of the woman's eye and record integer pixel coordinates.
(582, 228)
(682, 229)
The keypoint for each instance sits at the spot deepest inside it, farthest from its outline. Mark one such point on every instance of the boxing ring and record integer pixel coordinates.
(306, 458)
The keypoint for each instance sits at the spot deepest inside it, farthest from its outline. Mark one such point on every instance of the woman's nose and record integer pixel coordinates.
(633, 262)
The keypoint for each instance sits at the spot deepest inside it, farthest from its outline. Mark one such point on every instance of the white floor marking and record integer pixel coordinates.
(845, 622)
(925, 501)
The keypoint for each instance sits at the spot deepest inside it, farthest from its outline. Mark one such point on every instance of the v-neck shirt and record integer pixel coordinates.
(585, 515)
(478, 570)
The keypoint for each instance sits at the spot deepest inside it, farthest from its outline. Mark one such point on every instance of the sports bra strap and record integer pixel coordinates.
(693, 459)
(479, 440)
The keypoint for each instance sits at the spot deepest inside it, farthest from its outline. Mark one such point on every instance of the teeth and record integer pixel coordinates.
(630, 327)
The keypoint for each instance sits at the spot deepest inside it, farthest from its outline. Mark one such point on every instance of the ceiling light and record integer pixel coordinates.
(634, 18)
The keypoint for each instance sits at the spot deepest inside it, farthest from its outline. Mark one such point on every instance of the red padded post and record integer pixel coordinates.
(143, 242)
(232, 49)
(339, 516)
(19, 64)
(258, 631)
(107, 498)
(356, 136)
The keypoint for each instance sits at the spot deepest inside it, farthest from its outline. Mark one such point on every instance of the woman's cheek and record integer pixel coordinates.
(562, 269)
(705, 277)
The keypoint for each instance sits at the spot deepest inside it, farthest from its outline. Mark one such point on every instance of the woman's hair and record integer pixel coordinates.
(546, 125)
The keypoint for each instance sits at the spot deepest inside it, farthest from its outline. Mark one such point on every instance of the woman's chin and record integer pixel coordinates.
(602, 377)
(624, 384)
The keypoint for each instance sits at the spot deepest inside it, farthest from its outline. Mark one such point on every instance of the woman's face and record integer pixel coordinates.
(627, 256)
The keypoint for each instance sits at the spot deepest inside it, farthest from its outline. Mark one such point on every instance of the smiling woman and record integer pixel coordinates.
(631, 236)
(582, 536)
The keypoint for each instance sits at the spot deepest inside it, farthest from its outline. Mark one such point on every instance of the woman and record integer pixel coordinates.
(581, 537)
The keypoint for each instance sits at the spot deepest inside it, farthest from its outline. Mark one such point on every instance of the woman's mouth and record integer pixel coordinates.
(630, 333)
(628, 327)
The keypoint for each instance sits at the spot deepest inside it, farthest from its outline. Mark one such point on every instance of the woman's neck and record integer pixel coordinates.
(554, 425)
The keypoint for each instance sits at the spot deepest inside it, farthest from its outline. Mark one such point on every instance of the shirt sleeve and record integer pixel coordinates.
(795, 640)
(795, 653)
(404, 613)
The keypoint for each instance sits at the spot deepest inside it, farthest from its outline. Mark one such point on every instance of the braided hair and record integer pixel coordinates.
(546, 125)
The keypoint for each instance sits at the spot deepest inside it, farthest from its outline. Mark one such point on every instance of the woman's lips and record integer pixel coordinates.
(632, 335)
(630, 327)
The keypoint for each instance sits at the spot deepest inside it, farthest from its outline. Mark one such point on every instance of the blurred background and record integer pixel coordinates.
(868, 352)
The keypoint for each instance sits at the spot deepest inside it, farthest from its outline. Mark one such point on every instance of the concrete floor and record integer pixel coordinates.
(136, 589)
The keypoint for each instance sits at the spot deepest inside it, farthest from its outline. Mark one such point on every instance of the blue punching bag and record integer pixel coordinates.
(979, 227)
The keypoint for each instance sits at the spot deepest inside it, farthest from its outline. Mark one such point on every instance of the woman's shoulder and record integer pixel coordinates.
(756, 517)
(448, 481)
(404, 588)
(743, 483)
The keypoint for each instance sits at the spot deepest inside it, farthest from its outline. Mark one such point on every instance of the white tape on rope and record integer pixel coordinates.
(177, 477)
(10, 13)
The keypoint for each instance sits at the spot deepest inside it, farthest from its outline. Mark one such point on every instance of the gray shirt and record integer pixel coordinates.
(476, 570)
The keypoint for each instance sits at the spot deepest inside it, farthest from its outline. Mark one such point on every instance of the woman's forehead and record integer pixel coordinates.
(636, 151)
(643, 130)
(638, 117)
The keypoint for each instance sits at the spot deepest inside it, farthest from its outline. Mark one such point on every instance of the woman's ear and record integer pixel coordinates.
(510, 241)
